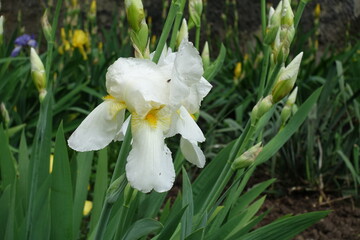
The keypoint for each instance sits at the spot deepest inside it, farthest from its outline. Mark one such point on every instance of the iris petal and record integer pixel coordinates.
(99, 128)
(149, 164)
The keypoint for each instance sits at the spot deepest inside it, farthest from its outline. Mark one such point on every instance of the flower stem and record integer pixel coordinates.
(264, 70)
(197, 37)
(177, 23)
(166, 30)
(124, 151)
(263, 17)
(299, 12)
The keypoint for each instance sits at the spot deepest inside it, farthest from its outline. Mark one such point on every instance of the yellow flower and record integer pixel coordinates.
(237, 72)
(79, 40)
(87, 207)
(65, 46)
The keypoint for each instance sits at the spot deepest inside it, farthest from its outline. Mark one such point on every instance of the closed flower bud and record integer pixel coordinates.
(205, 56)
(237, 72)
(287, 110)
(46, 27)
(262, 107)
(287, 15)
(135, 13)
(4, 114)
(195, 10)
(1, 29)
(129, 195)
(38, 73)
(92, 11)
(182, 34)
(273, 25)
(317, 11)
(286, 79)
(116, 187)
(247, 158)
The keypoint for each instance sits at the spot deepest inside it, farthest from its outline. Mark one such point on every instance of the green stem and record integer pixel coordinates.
(177, 24)
(124, 151)
(247, 138)
(166, 30)
(197, 37)
(263, 17)
(272, 78)
(264, 71)
(299, 12)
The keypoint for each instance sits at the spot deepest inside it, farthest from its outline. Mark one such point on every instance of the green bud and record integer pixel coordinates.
(46, 27)
(287, 15)
(182, 34)
(38, 73)
(247, 158)
(195, 10)
(262, 107)
(286, 79)
(273, 25)
(135, 13)
(129, 195)
(140, 40)
(4, 114)
(113, 192)
(287, 110)
(205, 56)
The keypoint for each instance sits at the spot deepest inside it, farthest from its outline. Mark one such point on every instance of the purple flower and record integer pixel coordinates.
(23, 41)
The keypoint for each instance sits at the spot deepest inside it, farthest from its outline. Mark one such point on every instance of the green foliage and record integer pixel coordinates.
(215, 203)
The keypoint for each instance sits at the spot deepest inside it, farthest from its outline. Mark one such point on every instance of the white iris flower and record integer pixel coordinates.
(162, 99)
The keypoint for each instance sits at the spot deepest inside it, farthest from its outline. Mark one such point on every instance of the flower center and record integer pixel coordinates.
(151, 118)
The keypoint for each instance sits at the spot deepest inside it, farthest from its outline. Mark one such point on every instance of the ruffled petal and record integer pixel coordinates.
(183, 123)
(197, 93)
(192, 152)
(99, 128)
(149, 164)
(187, 71)
(139, 83)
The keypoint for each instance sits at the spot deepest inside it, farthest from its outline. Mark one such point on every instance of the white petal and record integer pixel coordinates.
(187, 71)
(98, 129)
(192, 152)
(121, 134)
(149, 164)
(183, 123)
(197, 93)
(292, 70)
(139, 83)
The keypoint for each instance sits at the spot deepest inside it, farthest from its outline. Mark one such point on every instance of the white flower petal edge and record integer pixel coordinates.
(99, 128)
(183, 123)
(139, 83)
(192, 152)
(121, 134)
(187, 71)
(149, 164)
(197, 93)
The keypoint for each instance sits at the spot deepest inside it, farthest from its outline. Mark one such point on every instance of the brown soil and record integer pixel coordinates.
(341, 224)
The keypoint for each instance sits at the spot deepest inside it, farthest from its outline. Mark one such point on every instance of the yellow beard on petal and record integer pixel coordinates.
(116, 105)
(154, 118)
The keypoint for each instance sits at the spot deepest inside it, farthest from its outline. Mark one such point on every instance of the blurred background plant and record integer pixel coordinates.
(322, 156)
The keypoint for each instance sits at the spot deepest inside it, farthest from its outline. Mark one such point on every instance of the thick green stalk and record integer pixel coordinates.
(299, 12)
(264, 70)
(103, 220)
(124, 151)
(197, 37)
(166, 30)
(177, 23)
(263, 17)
